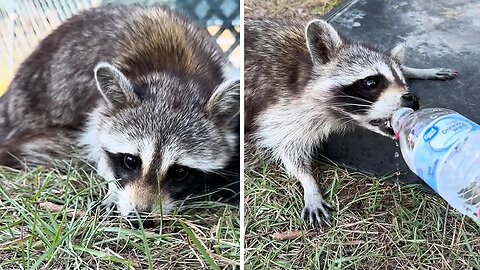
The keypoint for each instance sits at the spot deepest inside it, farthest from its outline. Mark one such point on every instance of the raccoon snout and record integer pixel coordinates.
(410, 101)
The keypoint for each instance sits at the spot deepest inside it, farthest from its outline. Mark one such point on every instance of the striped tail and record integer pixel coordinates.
(49, 148)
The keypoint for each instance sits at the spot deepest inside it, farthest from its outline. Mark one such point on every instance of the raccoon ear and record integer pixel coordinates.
(114, 86)
(398, 52)
(322, 41)
(224, 104)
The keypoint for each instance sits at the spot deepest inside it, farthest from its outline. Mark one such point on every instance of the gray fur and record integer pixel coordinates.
(303, 82)
(122, 80)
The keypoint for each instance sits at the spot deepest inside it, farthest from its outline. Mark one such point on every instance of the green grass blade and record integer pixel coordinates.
(199, 246)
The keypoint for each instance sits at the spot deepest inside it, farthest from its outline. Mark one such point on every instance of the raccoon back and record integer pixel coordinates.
(55, 85)
(277, 63)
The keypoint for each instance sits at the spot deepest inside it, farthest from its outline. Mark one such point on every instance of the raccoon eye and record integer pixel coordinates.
(131, 162)
(370, 82)
(178, 173)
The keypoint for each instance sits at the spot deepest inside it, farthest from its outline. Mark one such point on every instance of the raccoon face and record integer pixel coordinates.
(156, 140)
(364, 86)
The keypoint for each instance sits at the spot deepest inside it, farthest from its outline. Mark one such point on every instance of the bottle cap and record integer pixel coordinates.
(395, 122)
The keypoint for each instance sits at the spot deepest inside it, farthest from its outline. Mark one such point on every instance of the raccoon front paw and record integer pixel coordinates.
(444, 74)
(316, 211)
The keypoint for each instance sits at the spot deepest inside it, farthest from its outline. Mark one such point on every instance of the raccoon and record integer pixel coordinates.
(141, 93)
(304, 82)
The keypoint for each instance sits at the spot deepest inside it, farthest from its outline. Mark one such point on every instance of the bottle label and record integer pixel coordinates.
(435, 140)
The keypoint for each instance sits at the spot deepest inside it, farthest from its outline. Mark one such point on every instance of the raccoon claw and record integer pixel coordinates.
(317, 215)
(444, 74)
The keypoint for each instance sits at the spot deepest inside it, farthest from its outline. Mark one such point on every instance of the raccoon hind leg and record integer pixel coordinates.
(442, 74)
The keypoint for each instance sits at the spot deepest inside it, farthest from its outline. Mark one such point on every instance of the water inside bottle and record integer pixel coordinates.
(397, 162)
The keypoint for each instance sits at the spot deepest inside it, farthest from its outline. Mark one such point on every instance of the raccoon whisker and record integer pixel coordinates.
(357, 98)
(346, 118)
(226, 173)
(343, 103)
(426, 105)
(348, 122)
(349, 104)
(358, 110)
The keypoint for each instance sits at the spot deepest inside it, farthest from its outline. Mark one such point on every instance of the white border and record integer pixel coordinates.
(242, 139)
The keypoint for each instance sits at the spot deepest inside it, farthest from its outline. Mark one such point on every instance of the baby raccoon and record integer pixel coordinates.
(304, 82)
(141, 93)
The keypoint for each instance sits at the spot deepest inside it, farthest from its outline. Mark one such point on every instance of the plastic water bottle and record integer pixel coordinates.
(443, 148)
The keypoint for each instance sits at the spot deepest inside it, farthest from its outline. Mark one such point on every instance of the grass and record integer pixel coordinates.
(377, 225)
(204, 235)
(254, 8)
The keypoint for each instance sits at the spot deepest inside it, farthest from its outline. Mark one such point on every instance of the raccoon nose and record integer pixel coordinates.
(410, 101)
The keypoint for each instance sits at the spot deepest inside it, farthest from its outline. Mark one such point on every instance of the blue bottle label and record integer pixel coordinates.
(434, 141)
